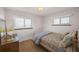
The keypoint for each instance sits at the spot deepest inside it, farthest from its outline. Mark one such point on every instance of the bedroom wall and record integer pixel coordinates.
(2, 16)
(2, 13)
(74, 21)
(25, 33)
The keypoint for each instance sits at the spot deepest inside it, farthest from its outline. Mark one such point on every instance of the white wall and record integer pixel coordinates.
(74, 21)
(2, 16)
(2, 13)
(25, 33)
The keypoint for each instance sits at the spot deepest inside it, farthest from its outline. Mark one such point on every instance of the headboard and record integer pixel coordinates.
(75, 42)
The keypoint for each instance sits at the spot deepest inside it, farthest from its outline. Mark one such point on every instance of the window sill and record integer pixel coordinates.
(22, 28)
(61, 25)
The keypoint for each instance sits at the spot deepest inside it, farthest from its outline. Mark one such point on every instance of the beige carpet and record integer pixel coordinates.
(29, 46)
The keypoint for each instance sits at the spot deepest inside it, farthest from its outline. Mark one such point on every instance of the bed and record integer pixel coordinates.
(56, 42)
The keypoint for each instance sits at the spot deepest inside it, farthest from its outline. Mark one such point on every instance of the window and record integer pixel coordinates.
(22, 23)
(64, 20)
(19, 23)
(27, 23)
(57, 21)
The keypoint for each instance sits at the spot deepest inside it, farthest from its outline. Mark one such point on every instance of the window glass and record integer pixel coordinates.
(57, 21)
(19, 23)
(27, 23)
(65, 20)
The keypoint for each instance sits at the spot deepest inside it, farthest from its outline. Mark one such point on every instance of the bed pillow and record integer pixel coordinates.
(67, 40)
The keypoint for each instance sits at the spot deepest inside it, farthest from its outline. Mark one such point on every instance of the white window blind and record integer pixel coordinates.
(22, 23)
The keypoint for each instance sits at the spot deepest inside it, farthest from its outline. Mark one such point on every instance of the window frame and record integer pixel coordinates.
(60, 24)
(24, 27)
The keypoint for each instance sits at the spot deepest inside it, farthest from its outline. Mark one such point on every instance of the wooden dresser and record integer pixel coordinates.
(10, 47)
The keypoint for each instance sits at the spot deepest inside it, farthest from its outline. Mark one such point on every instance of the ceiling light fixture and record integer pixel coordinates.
(40, 8)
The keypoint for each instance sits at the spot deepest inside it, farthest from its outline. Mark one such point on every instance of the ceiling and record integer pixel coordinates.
(44, 12)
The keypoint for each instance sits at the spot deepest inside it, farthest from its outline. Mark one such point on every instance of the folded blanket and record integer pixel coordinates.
(38, 36)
